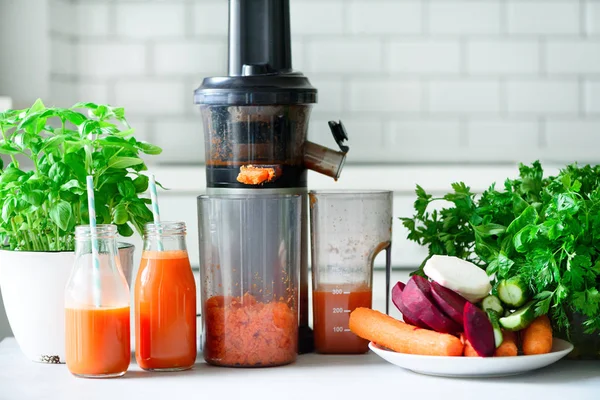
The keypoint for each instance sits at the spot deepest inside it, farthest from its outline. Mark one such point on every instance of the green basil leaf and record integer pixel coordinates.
(58, 172)
(148, 148)
(76, 164)
(113, 141)
(91, 106)
(34, 197)
(124, 230)
(125, 133)
(10, 174)
(9, 149)
(120, 214)
(73, 117)
(72, 184)
(124, 162)
(139, 210)
(141, 183)
(8, 207)
(88, 127)
(126, 188)
(60, 214)
(53, 143)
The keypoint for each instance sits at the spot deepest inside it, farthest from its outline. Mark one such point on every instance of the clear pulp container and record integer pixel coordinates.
(249, 277)
(348, 230)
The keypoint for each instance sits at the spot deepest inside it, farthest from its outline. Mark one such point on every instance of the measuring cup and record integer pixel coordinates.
(348, 230)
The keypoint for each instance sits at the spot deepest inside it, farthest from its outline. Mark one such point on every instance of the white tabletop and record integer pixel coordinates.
(313, 376)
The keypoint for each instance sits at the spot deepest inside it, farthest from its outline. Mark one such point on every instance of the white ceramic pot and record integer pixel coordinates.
(33, 291)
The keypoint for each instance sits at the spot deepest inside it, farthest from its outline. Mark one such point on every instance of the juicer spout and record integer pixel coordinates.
(325, 160)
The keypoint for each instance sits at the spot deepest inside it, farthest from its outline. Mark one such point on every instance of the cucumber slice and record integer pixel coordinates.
(494, 317)
(520, 319)
(513, 291)
(491, 302)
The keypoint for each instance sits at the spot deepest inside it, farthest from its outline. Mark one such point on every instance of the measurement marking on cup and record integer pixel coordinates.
(346, 330)
(346, 292)
(346, 311)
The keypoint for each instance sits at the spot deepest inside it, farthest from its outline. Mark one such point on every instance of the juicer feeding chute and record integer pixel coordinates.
(256, 122)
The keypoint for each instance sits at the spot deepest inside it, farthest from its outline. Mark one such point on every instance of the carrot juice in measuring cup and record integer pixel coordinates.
(97, 339)
(165, 301)
(348, 230)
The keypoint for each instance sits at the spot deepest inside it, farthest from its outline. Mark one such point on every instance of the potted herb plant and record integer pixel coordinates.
(49, 153)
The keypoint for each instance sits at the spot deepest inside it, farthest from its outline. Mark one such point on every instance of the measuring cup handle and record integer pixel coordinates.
(388, 275)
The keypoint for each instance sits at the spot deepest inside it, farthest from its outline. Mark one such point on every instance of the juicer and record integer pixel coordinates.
(256, 122)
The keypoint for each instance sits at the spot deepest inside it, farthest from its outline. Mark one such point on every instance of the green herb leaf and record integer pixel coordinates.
(148, 148)
(126, 188)
(141, 183)
(120, 214)
(60, 213)
(125, 230)
(34, 197)
(124, 162)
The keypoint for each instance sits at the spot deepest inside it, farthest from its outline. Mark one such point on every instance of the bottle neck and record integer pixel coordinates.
(165, 236)
(155, 242)
(105, 236)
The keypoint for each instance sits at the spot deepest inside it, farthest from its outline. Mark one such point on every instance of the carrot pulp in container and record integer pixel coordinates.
(243, 332)
(165, 297)
(97, 340)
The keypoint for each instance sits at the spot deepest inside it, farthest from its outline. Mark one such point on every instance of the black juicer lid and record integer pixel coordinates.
(256, 89)
(260, 60)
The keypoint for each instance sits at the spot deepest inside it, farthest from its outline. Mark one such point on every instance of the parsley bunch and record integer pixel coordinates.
(547, 230)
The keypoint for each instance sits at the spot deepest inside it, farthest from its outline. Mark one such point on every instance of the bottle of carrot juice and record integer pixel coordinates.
(97, 307)
(165, 301)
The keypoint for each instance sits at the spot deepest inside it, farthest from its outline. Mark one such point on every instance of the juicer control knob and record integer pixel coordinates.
(339, 134)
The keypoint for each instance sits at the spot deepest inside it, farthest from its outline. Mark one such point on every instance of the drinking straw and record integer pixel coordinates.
(155, 211)
(94, 235)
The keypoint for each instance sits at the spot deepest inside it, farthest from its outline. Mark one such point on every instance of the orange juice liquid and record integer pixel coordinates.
(332, 306)
(97, 341)
(165, 311)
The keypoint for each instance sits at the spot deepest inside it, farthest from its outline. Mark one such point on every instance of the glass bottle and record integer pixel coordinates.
(97, 308)
(165, 301)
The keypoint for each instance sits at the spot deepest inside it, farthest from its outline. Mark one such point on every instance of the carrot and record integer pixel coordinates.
(508, 348)
(469, 351)
(537, 337)
(251, 175)
(403, 338)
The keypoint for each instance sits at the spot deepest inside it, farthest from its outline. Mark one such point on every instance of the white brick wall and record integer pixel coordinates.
(428, 56)
(544, 17)
(543, 96)
(464, 17)
(414, 80)
(464, 96)
(381, 17)
(495, 56)
(150, 20)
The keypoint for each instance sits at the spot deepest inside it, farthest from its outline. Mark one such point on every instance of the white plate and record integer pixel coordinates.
(474, 366)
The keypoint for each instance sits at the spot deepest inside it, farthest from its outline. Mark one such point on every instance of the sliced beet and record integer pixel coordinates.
(449, 302)
(406, 313)
(416, 296)
(479, 331)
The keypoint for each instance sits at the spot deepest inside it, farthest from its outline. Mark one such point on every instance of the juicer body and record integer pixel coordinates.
(262, 135)
(256, 123)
